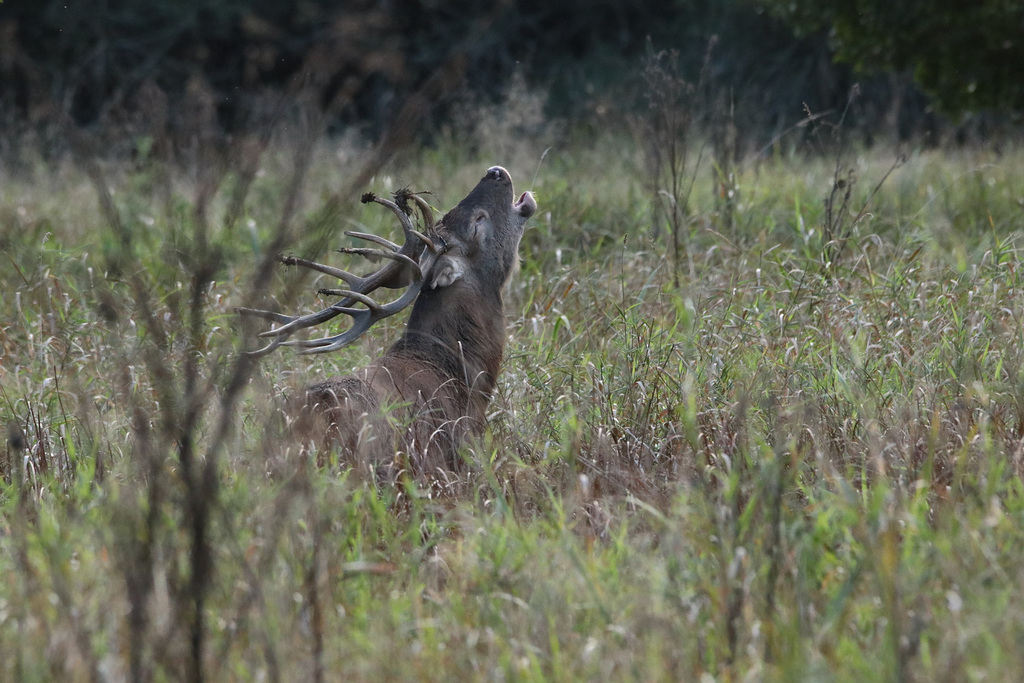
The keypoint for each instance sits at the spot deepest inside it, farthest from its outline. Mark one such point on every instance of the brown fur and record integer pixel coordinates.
(441, 373)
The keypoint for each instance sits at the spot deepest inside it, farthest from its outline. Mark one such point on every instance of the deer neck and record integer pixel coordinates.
(461, 330)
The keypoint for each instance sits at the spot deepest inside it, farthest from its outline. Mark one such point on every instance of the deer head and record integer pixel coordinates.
(476, 243)
(483, 232)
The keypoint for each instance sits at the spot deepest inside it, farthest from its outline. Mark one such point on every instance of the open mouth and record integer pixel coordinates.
(526, 206)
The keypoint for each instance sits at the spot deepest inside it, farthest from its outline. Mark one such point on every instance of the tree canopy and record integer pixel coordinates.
(966, 55)
(362, 58)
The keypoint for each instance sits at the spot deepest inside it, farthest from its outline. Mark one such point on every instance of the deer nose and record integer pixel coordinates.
(498, 173)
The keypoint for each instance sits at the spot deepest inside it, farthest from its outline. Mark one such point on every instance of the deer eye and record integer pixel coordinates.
(496, 173)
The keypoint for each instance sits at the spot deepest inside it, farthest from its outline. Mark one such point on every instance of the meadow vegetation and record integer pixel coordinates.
(794, 452)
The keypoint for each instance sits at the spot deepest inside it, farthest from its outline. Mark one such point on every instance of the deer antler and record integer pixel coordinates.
(417, 244)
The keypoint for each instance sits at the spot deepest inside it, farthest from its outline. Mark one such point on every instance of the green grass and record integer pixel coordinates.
(787, 468)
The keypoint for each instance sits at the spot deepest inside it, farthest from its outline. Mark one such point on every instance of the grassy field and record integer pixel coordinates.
(795, 452)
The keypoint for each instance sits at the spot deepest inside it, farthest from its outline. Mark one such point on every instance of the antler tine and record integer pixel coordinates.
(364, 318)
(425, 210)
(366, 251)
(348, 277)
(264, 350)
(357, 296)
(416, 244)
(266, 315)
(426, 240)
(291, 323)
(370, 237)
(407, 226)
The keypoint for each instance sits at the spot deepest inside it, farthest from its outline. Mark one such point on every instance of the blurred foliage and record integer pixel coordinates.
(968, 56)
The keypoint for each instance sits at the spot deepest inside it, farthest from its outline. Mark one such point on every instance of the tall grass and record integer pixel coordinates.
(788, 465)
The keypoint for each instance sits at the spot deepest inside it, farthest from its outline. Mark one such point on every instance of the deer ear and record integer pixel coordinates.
(448, 271)
(481, 223)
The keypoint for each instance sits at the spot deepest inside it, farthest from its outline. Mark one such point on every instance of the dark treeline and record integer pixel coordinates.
(115, 64)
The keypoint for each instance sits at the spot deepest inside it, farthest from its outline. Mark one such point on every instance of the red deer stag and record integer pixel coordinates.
(442, 370)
